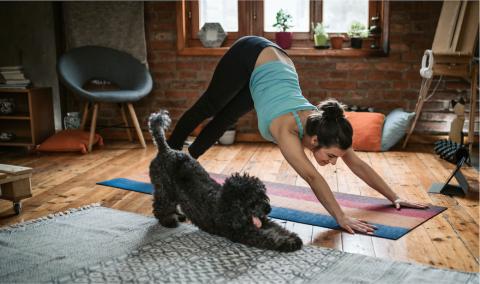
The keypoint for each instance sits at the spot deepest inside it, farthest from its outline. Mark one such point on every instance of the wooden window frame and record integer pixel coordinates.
(251, 23)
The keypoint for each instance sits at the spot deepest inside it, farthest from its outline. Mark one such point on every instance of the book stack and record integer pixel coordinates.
(13, 77)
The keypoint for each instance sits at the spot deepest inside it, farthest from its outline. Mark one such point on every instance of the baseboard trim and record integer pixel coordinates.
(416, 138)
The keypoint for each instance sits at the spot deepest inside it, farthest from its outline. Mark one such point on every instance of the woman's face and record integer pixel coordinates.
(325, 156)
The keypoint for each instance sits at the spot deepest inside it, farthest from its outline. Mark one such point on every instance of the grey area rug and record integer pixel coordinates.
(102, 245)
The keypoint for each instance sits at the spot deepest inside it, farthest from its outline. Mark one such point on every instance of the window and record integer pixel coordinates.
(231, 14)
(254, 17)
(299, 10)
(222, 11)
(337, 15)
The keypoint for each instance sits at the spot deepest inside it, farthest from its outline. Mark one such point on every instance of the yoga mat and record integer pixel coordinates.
(299, 204)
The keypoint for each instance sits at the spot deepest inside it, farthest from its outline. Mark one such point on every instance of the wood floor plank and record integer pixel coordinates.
(304, 231)
(441, 169)
(464, 227)
(261, 164)
(239, 159)
(286, 174)
(212, 160)
(347, 183)
(448, 233)
(86, 172)
(329, 238)
(450, 246)
(403, 183)
(273, 163)
(61, 169)
(458, 216)
(365, 189)
(384, 248)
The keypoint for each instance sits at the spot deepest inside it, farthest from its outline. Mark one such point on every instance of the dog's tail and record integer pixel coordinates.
(157, 123)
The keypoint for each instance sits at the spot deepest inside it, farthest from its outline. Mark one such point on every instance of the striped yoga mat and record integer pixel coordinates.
(299, 204)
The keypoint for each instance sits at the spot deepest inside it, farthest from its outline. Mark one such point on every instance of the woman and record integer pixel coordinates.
(256, 73)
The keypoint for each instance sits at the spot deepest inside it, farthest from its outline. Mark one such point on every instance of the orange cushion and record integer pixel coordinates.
(70, 140)
(367, 130)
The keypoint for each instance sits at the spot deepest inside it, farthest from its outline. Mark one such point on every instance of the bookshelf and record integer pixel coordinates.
(32, 121)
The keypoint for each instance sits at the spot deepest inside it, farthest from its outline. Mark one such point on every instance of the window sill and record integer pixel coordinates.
(294, 51)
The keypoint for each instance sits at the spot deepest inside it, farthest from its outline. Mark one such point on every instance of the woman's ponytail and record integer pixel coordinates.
(330, 125)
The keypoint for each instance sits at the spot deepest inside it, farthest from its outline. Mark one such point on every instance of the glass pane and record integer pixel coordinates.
(339, 14)
(298, 9)
(224, 12)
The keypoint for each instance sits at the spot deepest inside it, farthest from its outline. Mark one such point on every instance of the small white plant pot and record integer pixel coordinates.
(227, 138)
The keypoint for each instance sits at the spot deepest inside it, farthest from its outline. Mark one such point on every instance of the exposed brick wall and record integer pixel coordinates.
(383, 83)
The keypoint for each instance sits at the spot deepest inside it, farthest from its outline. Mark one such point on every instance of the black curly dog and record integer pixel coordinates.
(227, 210)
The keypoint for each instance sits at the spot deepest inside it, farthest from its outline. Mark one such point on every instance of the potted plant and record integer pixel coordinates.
(336, 40)
(320, 37)
(283, 38)
(357, 32)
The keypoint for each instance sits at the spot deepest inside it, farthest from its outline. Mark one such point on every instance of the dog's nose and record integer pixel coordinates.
(268, 208)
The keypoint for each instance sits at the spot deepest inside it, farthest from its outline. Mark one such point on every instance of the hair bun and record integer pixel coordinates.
(332, 109)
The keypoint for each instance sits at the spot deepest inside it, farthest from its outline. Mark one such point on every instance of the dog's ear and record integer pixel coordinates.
(231, 210)
(232, 205)
(234, 215)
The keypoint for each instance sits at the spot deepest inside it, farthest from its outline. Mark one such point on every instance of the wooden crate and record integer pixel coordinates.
(15, 184)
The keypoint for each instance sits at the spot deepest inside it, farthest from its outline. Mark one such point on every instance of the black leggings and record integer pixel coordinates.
(226, 99)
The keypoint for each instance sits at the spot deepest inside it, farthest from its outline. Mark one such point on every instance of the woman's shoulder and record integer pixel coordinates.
(283, 125)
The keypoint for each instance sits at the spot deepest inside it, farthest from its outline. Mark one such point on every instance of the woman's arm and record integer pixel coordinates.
(293, 152)
(370, 177)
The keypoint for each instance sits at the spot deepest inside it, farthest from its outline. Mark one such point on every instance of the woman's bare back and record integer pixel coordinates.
(272, 54)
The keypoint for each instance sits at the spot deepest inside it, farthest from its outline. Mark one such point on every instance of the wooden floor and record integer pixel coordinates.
(450, 240)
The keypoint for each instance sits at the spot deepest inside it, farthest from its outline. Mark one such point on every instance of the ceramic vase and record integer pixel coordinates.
(71, 120)
(7, 106)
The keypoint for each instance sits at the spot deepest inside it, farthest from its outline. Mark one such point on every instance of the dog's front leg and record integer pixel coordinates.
(164, 208)
(273, 237)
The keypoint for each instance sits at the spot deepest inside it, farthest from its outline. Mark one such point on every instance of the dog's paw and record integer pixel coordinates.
(181, 217)
(292, 243)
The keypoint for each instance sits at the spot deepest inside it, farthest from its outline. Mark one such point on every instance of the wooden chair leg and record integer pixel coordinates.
(418, 108)
(92, 127)
(84, 115)
(125, 120)
(137, 126)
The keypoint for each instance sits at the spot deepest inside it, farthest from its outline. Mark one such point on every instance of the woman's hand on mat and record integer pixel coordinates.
(399, 202)
(351, 225)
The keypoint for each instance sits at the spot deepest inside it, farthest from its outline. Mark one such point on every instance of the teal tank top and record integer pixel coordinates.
(276, 91)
